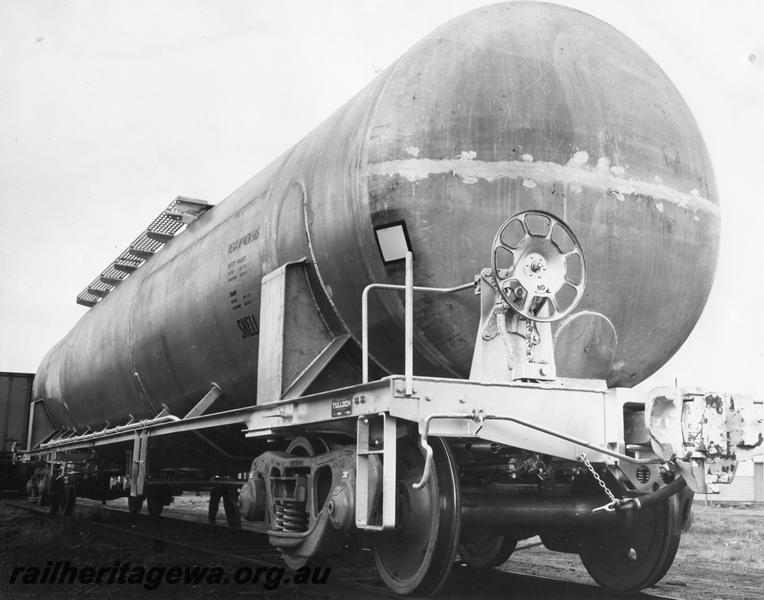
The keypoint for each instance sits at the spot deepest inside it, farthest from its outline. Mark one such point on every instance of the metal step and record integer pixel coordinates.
(170, 223)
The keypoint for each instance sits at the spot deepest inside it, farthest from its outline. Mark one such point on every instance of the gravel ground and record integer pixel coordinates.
(722, 557)
(34, 541)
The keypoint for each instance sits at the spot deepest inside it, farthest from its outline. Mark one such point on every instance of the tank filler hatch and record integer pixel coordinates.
(168, 224)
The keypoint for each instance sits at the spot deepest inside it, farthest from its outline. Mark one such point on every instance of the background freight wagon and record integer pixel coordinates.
(15, 395)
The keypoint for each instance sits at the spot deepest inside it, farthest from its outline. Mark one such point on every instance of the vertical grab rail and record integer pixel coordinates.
(409, 288)
(409, 324)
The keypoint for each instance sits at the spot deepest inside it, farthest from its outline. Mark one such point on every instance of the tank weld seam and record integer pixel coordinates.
(417, 169)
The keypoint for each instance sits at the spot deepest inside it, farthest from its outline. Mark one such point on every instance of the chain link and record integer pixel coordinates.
(532, 339)
(532, 336)
(501, 325)
(613, 500)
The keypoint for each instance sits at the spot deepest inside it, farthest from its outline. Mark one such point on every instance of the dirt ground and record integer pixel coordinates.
(30, 540)
(722, 557)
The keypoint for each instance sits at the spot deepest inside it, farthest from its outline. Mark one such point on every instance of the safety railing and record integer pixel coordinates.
(109, 431)
(409, 288)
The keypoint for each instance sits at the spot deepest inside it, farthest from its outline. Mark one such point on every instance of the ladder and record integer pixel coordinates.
(173, 220)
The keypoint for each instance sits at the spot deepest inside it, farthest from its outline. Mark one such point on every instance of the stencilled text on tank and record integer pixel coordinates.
(240, 299)
(248, 326)
(243, 241)
(237, 269)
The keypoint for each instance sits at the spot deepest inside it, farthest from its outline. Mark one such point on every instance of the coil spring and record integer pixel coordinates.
(290, 516)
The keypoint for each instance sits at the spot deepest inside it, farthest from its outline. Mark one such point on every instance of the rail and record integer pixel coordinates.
(409, 288)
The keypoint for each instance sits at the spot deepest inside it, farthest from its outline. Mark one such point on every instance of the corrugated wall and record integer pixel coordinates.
(748, 485)
(740, 490)
(15, 394)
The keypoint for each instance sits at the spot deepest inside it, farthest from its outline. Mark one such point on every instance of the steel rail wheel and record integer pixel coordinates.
(417, 556)
(488, 553)
(134, 504)
(231, 508)
(631, 557)
(155, 505)
(69, 499)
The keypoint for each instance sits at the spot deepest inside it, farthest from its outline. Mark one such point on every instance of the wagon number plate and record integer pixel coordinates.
(342, 407)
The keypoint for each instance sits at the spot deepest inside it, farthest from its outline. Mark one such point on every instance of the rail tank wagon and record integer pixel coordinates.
(519, 119)
(506, 109)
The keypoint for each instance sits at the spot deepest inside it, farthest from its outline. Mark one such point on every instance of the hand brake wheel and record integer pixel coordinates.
(538, 266)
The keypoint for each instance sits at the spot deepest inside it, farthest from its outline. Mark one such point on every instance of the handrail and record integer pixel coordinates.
(409, 288)
(109, 432)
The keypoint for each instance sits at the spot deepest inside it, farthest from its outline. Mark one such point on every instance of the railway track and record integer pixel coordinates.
(178, 533)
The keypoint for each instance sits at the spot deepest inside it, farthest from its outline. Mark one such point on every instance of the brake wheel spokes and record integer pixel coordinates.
(538, 266)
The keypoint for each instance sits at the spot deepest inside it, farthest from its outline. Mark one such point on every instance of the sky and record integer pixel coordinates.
(110, 109)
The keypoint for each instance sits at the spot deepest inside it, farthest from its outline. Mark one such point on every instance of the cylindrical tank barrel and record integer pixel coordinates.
(507, 108)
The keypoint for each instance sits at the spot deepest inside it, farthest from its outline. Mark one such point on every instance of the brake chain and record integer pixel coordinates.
(614, 502)
(532, 339)
(501, 324)
(532, 336)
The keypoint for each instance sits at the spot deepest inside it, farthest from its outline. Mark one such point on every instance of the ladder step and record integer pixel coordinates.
(126, 267)
(112, 276)
(142, 253)
(177, 215)
(97, 292)
(86, 302)
(191, 204)
(159, 236)
(180, 213)
(113, 281)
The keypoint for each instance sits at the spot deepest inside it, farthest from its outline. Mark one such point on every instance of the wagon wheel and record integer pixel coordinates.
(307, 446)
(55, 496)
(231, 508)
(134, 504)
(295, 562)
(417, 556)
(488, 553)
(155, 505)
(43, 488)
(627, 558)
(69, 499)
